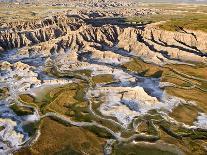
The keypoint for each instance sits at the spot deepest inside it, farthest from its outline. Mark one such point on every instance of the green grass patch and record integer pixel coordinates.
(21, 111)
(195, 21)
(100, 132)
(147, 19)
(2, 128)
(133, 149)
(31, 128)
(144, 69)
(185, 113)
(3, 92)
(103, 78)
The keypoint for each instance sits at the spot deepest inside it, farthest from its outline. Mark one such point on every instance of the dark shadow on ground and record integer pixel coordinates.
(120, 21)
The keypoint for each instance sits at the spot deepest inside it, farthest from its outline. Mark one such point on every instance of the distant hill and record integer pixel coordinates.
(151, 1)
(19, 0)
(173, 1)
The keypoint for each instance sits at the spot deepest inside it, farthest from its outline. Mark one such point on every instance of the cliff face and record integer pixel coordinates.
(20, 34)
(154, 43)
(71, 32)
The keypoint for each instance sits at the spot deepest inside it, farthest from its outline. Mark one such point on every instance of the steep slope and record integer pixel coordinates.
(150, 43)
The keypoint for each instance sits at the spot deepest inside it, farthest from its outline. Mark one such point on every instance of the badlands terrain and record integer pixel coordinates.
(103, 77)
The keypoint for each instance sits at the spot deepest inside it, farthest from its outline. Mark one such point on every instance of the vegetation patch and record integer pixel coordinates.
(3, 92)
(31, 128)
(56, 138)
(185, 113)
(21, 111)
(143, 68)
(191, 95)
(27, 98)
(15, 13)
(100, 132)
(103, 78)
(2, 128)
(147, 19)
(194, 21)
(133, 149)
(56, 98)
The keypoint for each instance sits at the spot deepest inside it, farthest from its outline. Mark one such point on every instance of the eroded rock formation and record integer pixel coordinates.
(72, 32)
